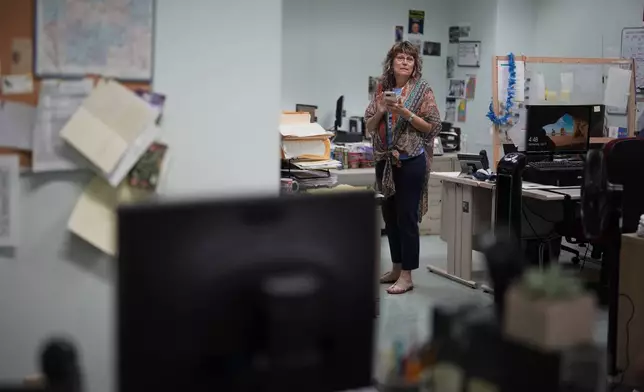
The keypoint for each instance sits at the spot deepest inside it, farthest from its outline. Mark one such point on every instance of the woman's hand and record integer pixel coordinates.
(398, 109)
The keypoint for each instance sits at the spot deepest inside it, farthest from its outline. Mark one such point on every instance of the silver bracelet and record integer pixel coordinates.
(411, 117)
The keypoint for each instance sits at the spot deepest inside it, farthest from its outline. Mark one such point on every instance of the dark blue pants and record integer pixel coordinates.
(400, 211)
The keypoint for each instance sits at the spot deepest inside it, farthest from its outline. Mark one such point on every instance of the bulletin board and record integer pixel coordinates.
(17, 20)
(496, 60)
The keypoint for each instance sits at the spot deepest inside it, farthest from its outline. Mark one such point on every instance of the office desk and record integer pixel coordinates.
(468, 210)
(431, 223)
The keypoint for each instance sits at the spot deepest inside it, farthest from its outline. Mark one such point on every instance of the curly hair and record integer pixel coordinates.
(388, 79)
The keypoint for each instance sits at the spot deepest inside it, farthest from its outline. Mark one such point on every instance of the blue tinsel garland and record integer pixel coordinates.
(509, 102)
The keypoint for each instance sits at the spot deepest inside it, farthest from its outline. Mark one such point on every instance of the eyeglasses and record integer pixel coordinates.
(404, 59)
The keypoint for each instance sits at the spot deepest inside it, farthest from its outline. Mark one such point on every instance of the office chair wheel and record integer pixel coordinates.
(575, 260)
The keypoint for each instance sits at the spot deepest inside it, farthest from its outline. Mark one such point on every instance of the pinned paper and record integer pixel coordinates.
(517, 132)
(461, 115)
(94, 218)
(617, 88)
(21, 56)
(9, 194)
(470, 87)
(16, 123)
(17, 84)
(108, 122)
(551, 96)
(567, 85)
(538, 90)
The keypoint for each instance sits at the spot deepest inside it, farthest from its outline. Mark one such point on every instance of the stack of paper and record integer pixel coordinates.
(318, 165)
(112, 129)
(94, 218)
(302, 139)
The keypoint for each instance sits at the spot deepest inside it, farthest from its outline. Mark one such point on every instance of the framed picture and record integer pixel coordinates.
(469, 54)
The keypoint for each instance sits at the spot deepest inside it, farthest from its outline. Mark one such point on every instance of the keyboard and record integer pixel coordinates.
(556, 165)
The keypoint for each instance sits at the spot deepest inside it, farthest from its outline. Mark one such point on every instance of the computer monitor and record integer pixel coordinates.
(272, 294)
(470, 163)
(558, 129)
(339, 111)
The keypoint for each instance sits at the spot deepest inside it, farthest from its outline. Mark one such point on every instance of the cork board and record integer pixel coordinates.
(17, 20)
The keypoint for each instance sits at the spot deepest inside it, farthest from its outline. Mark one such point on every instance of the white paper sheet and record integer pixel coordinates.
(617, 88)
(328, 164)
(58, 101)
(537, 88)
(132, 155)
(517, 131)
(107, 123)
(9, 195)
(303, 130)
(16, 122)
(503, 77)
(17, 84)
(567, 86)
(94, 218)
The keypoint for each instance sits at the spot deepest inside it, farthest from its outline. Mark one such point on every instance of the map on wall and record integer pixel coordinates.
(111, 38)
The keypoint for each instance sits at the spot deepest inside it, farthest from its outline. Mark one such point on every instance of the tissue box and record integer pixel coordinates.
(548, 324)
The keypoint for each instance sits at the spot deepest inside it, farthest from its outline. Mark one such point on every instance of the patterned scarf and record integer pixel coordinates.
(404, 139)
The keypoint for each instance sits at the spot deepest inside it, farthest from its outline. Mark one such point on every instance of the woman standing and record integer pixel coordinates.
(403, 131)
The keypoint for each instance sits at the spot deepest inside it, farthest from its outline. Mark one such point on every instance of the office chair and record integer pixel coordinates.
(612, 202)
(571, 229)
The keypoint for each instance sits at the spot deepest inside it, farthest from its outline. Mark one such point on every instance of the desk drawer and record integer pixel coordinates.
(434, 183)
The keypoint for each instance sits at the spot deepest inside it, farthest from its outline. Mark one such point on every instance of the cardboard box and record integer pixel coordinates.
(631, 276)
(546, 324)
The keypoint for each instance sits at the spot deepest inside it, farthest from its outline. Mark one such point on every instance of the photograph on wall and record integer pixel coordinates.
(456, 88)
(461, 114)
(399, 33)
(450, 110)
(431, 48)
(454, 34)
(416, 22)
(373, 84)
(464, 31)
(417, 42)
(470, 87)
(450, 66)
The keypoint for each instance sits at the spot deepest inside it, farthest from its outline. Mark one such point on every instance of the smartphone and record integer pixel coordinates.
(391, 96)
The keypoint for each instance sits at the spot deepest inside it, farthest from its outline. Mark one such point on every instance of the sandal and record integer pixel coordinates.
(397, 289)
